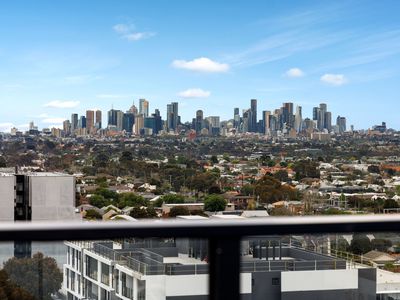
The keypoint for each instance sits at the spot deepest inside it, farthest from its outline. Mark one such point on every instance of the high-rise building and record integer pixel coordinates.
(253, 116)
(236, 118)
(139, 124)
(67, 127)
(134, 109)
(120, 120)
(341, 124)
(144, 107)
(128, 121)
(287, 115)
(74, 122)
(266, 122)
(99, 117)
(82, 122)
(328, 121)
(214, 125)
(112, 117)
(90, 120)
(199, 121)
(323, 108)
(298, 119)
(172, 116)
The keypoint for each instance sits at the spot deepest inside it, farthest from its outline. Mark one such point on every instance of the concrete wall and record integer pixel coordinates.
(52, 197)
(7, 195)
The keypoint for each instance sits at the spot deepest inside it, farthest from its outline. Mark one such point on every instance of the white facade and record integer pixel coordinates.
(52, 196)
(7, 196)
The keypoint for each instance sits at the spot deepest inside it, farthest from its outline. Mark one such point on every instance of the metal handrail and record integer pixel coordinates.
(54, 231)
(224, 237)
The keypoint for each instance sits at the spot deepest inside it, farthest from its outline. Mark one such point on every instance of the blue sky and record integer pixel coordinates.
(68, 56)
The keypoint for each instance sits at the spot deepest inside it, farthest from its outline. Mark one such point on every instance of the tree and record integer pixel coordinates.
(270, 190)
(247, 190)
(305, 168)
(281, 175)
(98, 201)
(381, 244)
(143, 213)
(93, 214)
(281, 211)
(10, 291)
(215, 189)
(3, 163)
(374, 169)
(131, 199)
(25, 273)
(214, 203)
(360, 244)
(203, 181)
(178, 211)
(214, 159)
(390, 203)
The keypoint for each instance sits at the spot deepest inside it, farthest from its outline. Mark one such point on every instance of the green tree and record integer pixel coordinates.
(270, 190)
(214, 203)
(93, 214)
(3, 163)
(99, 201)
(178, 211)
(305, 168)
(131, 199)
(214, 159)
(360, 244)
(10, 291)
(25, 273)
(390, 203)
(381, 244)
(281, 211)
(281, 175)
(143, 213)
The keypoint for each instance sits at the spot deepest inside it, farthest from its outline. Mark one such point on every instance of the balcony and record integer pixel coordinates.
(228, 262)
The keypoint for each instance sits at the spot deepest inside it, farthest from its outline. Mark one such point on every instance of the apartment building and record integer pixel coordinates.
(172, 269)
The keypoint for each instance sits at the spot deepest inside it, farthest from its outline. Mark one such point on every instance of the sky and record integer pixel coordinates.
(60, 57)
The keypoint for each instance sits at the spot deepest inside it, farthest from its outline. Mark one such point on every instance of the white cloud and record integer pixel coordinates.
(6, 127)
(194, 93)
(62, 104)
(128, 32)
(334, 79)
(294, 73)
(53, 120)
(59, 126)
(201, 64)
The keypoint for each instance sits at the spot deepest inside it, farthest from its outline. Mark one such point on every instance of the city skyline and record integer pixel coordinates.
(345, 54)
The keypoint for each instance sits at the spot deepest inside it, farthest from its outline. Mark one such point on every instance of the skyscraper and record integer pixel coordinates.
(89, 120)
(199, 121)
(144, 107)
(74, 123)
(172, 116)
(128, 122)
(298, 119)
(266, 122)
(236, 118)
(253, 116)
(341, 124)
(98, 123)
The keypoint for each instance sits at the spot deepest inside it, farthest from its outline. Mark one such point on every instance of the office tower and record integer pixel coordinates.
(328, 121)
(321, 116)
(90, 120)
(112, 117)
(120, 120)
(246, 121)
(214, 125)
(82, 122)
(315, 113)
(67, 127)
(128, 121)
(287, 115)
(74, 122)
(154, 123)
(172, 116)
(266, 122)
(98, 123)
(298, 120)
(253, 116)
(199, 121)
(31, 125)
(139, 124)
(134, 109)
(341, 124)
(236, 118)
(144, 107)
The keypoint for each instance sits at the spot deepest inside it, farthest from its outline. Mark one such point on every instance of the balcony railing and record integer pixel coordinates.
(224, 238)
